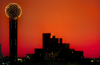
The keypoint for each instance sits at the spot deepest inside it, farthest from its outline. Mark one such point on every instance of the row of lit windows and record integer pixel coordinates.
(94, 61)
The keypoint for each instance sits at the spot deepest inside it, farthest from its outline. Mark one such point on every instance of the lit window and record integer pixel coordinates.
(97, 60)
(28, 57)
(19, 59)
(3, 63)
(91, 60)
(52, 53)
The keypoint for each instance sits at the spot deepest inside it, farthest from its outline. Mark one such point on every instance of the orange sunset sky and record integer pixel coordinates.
(75, 21)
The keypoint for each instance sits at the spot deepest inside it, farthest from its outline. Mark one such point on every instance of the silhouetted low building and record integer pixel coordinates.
(55, 50)
(39, 55)
(1, 54)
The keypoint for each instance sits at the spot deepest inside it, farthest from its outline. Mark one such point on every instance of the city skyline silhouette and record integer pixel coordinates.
(77, 25)
(53, 52)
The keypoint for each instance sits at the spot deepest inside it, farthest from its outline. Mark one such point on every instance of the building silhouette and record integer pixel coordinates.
(55, 50)
(1, 54)
(46, 41)
(59, 51)
(13, 39)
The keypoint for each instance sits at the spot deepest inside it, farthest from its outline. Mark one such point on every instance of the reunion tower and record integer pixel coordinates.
(13, 11)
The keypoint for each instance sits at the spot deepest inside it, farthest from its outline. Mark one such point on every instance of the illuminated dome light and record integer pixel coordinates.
(13, 10)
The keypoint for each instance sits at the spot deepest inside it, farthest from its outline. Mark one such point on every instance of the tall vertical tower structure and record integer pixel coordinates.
(13, 11)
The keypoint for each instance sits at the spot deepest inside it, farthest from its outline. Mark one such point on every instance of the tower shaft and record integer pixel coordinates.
(13, 40)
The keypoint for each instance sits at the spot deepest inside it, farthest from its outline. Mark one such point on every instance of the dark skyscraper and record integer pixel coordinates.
(46, 40)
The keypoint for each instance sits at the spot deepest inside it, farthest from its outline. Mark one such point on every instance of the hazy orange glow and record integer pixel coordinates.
(75, 21)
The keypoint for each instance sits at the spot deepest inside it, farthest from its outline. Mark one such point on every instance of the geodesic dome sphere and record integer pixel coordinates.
(13, 10)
